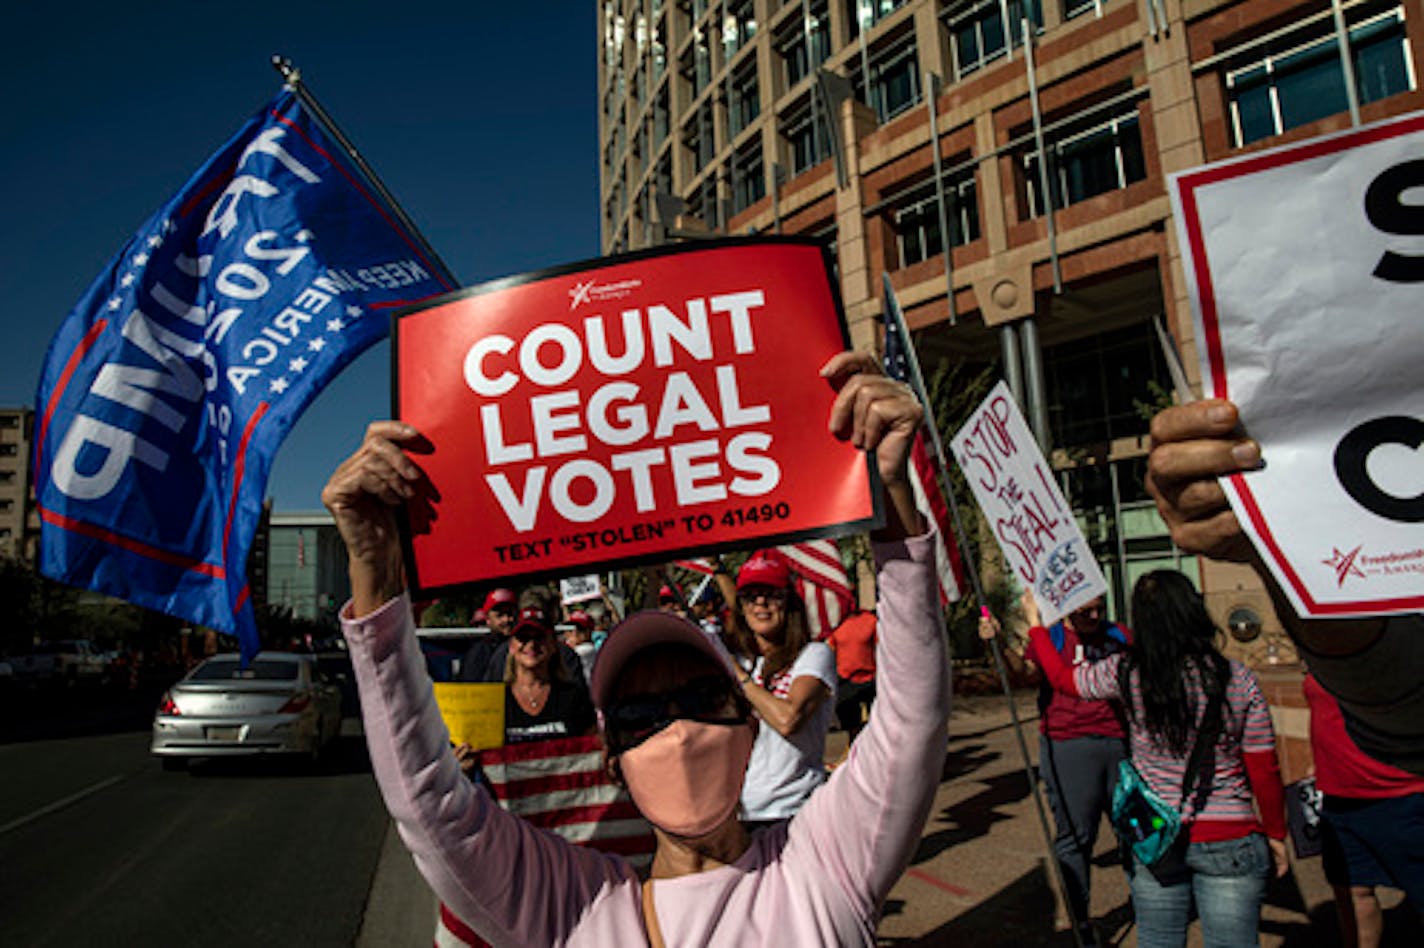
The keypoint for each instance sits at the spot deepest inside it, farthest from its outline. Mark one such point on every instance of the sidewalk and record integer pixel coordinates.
(981, 878)
(980, 875)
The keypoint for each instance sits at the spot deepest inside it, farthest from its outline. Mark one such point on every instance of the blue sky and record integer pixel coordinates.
(480, 117)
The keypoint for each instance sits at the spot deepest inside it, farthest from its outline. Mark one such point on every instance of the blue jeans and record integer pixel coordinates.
(1228, 882)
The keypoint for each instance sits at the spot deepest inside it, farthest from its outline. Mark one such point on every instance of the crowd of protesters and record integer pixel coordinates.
(714, 718)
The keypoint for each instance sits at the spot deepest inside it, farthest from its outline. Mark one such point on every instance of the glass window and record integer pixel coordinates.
(1296, 80)
(1072, 8)
(917, 224)
(739, 25)
(894, 78)
(978, 30)
(7, 450)
(259, 669)
(792, 46)
(809, 144)
(1104, 386)
(748, 178)
(863, 14)
(697, 136)
(1082, 164)
(745, 103)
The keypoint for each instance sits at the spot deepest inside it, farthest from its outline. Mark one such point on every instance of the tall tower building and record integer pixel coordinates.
(19, 521)
(1005, 163)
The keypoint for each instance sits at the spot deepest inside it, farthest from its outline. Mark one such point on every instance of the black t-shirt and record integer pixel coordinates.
(568, 712)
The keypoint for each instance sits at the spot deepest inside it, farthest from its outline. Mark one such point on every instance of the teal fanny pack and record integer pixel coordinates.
(1143, 820)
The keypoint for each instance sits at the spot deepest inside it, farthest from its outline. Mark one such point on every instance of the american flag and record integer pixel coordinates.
(561, 786)
(923, 470)
(820, 582)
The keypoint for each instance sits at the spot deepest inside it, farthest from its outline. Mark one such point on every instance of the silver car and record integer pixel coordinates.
(281, 703)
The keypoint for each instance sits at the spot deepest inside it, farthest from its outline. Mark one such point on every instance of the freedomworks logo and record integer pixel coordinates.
(1363, 566)
(591, 291)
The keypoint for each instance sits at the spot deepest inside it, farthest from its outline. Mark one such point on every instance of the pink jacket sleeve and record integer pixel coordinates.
(862, 827)
(514, 884)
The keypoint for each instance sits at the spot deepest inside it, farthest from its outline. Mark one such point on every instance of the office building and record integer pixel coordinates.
(1053, 125)
(19, 520)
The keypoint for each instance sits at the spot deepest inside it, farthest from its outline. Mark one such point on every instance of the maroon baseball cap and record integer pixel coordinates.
(532, 617)
(641, 630)
(765, 568)
(500, 597)
(580, 619)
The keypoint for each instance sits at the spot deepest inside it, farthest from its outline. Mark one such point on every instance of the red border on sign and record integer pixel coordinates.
(429, 343)
(1187, 185)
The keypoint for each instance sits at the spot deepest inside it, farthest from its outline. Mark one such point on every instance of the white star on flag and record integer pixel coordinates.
(140, 259)
(317, 344)
(354, 312)
(168, 227)
(279, 385)
(298, 364)
(127, 280)
(155, 241)
(115, 303)
(334, 325)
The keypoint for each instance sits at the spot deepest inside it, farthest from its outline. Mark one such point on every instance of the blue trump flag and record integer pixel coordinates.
(169, 387)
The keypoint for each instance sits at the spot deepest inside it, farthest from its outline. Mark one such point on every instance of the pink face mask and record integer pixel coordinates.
(687, 778)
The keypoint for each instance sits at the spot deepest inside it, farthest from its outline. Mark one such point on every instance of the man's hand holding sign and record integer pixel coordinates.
(1304, 460)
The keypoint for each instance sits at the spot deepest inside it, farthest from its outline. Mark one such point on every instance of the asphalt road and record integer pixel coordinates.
(99, 846)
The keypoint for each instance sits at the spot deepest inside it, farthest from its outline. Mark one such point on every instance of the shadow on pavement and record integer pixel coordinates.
(972, 817)
(1021, 913)
(345, 755)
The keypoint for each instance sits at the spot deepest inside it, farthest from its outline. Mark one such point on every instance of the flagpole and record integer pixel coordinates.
(292, 76)
(917, 382)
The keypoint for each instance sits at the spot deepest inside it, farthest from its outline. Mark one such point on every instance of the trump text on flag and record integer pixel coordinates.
(648, 405)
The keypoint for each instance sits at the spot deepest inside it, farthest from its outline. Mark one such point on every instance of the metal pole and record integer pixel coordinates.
(1013, 364)
(932, 84)
(1042, 160)
(1035, 388)
(863, 17)
(1120, 601)
(1008, 30)
(292, 76)
(917, 382)
(811, 71)
(1347, 66)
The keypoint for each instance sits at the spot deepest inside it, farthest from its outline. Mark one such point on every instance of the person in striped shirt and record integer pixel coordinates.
(1166, 681)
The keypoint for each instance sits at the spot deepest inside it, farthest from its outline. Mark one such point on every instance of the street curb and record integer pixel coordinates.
(400, 908)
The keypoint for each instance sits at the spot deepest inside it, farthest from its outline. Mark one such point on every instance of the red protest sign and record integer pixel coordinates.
(627, 410)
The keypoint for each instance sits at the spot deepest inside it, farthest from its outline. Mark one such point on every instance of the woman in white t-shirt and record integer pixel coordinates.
(789, 684)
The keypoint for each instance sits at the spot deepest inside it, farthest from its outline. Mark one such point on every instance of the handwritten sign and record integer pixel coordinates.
(580, 588)
(1305, 265)
(473, 713)
(625, 411)
(1017, 493)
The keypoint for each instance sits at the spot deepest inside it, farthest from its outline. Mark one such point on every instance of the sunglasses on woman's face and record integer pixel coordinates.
(526, 635)
(771, 595)
(710, 700)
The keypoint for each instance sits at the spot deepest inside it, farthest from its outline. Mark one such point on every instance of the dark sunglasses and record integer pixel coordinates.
(770, 594)
(710, 700)
(527, 634)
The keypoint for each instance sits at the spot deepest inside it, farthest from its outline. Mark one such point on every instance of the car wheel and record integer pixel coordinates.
(174, 764)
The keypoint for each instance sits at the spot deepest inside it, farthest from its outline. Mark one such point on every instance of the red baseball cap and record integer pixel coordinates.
(532, 617)
(641, 630)
(580, 619)
(667, 594)
(500, 597)
(765, 568)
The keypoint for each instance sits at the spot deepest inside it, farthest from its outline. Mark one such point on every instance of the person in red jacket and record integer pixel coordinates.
(1170, 682)
(1372, 823)
(1080, 746)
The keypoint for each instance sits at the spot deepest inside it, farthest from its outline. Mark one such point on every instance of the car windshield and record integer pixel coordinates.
(259, 669)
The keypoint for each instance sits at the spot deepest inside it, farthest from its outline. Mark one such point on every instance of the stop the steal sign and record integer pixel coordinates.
(1306, 270)
(625, 411)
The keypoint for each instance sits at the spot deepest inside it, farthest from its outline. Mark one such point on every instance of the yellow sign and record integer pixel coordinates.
(473, 713)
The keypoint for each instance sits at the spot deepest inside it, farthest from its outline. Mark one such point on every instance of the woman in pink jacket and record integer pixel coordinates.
(679, 734)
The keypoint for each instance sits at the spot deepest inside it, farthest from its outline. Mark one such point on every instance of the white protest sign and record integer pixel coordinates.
(1305, 266)
(580, 588)
(1019, 497)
